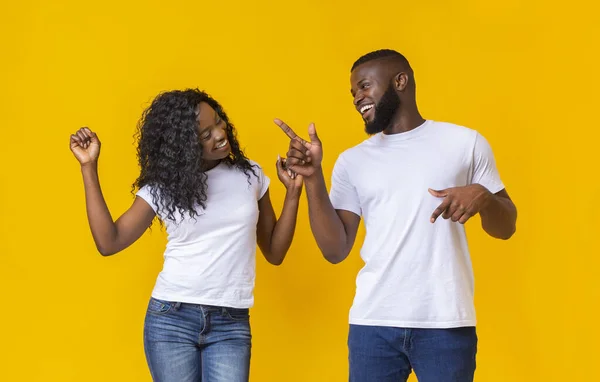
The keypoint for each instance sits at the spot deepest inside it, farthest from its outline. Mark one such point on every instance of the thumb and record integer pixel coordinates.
(94, 139)
(280, 164)
(438, 193)
(312, 133)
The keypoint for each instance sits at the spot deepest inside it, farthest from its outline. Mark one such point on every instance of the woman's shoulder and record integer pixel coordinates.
(253, 162)
(254, 166)
(247, 168)
(261, 178)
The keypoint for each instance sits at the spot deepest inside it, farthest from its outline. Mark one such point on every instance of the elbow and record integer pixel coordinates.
(510, 227)
(274, 258)
(334, 257)
(277, 261)
(335, 254)
(105, 252)
(497, 230)
(508, 233)
(333, 260)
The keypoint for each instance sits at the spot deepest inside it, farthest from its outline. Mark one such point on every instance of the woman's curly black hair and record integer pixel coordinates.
(170, 154)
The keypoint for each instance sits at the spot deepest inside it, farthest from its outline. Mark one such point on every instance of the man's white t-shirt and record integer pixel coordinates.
(210, 259)
(416, 274)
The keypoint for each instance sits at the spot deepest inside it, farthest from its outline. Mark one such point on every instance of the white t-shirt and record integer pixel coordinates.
(210, 259)
(416, 274)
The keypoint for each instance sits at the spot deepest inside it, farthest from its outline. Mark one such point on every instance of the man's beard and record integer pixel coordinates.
(384, 111)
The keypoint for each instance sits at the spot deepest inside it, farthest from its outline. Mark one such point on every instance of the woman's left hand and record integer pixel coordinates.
(291, 180)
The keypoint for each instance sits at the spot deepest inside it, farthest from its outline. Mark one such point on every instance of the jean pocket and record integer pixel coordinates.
(156, 306)
(236, 314)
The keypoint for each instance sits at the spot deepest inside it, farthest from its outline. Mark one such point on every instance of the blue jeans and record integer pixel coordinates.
(386, 354)
(191, 343)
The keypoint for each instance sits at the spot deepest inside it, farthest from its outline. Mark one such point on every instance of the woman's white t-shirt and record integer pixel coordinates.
(210, 259)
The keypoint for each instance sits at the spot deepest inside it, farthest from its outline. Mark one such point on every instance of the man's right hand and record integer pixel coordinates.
(304, 158)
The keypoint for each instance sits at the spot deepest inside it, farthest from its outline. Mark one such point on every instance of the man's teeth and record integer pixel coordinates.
(364, 109)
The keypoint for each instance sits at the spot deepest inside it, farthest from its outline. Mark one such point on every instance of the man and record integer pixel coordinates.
(413, 308)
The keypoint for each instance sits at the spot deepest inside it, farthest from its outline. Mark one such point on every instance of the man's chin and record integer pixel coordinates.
(372, 129)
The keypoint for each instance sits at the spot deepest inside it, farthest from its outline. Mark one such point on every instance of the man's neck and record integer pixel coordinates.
(405, 121)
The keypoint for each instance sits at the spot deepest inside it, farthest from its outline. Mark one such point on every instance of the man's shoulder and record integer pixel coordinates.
(453, 135)
(453, 129)
(358, 150)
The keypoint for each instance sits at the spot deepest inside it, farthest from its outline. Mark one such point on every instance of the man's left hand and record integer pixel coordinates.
(461, 203)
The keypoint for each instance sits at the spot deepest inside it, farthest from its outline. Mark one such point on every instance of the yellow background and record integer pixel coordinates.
(523, 73)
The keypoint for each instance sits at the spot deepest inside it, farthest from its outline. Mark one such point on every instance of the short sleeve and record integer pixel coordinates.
(145, 194)
(263, 182)
(484, 166)
(343, 194)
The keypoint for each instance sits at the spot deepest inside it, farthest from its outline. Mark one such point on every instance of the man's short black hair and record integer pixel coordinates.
(381, 53)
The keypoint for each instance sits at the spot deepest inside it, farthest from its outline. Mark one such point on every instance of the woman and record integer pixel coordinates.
(215, 205)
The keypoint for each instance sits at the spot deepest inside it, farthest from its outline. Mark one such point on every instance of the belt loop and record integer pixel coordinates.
(177, 305)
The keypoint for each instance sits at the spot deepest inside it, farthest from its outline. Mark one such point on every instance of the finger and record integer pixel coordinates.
(300, 148)
(458, 213)
(438, 211)
(312, 134)
(83, 141)
(290, 133)
(297, 145)
(286, 129)
(94, 137)
(87, 139)
(465, 217)
(450, 211)
(439, 193)
(291, 162)
(74, 141)
(81, 135)
(90, 134)
(293, 153)
(280, 164)
(281, 168)
(295, 156)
